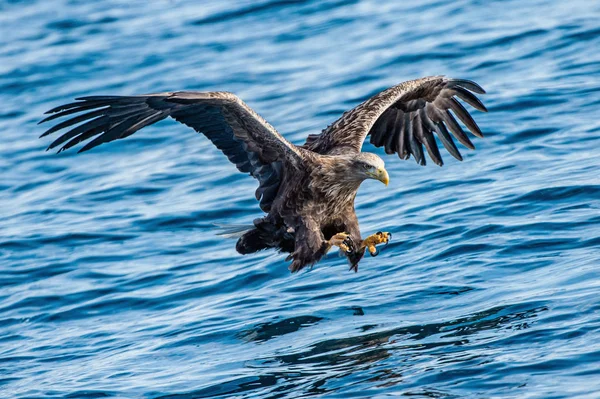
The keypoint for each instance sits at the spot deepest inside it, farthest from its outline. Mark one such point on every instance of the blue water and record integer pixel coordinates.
(114, 283)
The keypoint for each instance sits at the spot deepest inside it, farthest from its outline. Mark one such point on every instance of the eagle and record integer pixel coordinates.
(306, 191)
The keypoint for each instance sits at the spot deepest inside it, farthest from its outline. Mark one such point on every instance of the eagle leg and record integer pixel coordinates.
(310, 247)
(343, 241)
(373, 240)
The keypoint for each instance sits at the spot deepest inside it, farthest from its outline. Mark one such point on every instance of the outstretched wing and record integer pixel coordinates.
(403, 119)
(249, 142)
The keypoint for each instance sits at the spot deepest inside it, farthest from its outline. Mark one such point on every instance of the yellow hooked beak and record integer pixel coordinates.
(381, 175)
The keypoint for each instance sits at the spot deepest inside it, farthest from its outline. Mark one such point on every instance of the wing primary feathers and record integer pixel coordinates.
(116, 131)
(84, 136)
(125, 99)
(396, 124)
(465, 117)
(149, 120)
(83, 128)
(403, 150)
(432, 117)
(417, 128)
(70, 111)
(73, 121)
(390, 120)
(379, 129)
(101, 124)
(406, 133)
(467, 84)
(377, 132)
(447, 140)
(415, 145)
(75, 104)
(432, 149)
(456, 130)
(469, 98)
(399, 128)
(427, 138)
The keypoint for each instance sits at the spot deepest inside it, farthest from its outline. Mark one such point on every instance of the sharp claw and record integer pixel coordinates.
(379, 233)
(349, 244)
(374, 254)
(389, 236)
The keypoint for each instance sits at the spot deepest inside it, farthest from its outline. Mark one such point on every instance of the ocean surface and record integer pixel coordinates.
(114, 283)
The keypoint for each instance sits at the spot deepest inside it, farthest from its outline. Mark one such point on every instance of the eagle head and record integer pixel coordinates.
(367, 165)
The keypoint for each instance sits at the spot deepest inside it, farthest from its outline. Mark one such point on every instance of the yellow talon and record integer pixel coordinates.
(373, 240)
(343, 241)
(373, 250)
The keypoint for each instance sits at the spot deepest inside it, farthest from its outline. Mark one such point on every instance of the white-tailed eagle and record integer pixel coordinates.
(307, 191)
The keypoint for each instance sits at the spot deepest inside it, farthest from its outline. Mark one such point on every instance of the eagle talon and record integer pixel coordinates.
(372, 241)
(349, 243)
(343, 241)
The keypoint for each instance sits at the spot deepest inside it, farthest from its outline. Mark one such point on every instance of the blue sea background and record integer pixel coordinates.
(114, 284)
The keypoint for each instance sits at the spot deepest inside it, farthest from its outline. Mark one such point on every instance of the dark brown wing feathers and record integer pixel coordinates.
(403, 119)
(246, 139)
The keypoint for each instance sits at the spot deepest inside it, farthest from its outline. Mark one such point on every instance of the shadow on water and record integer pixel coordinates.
(338, 359)
(266, 331)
